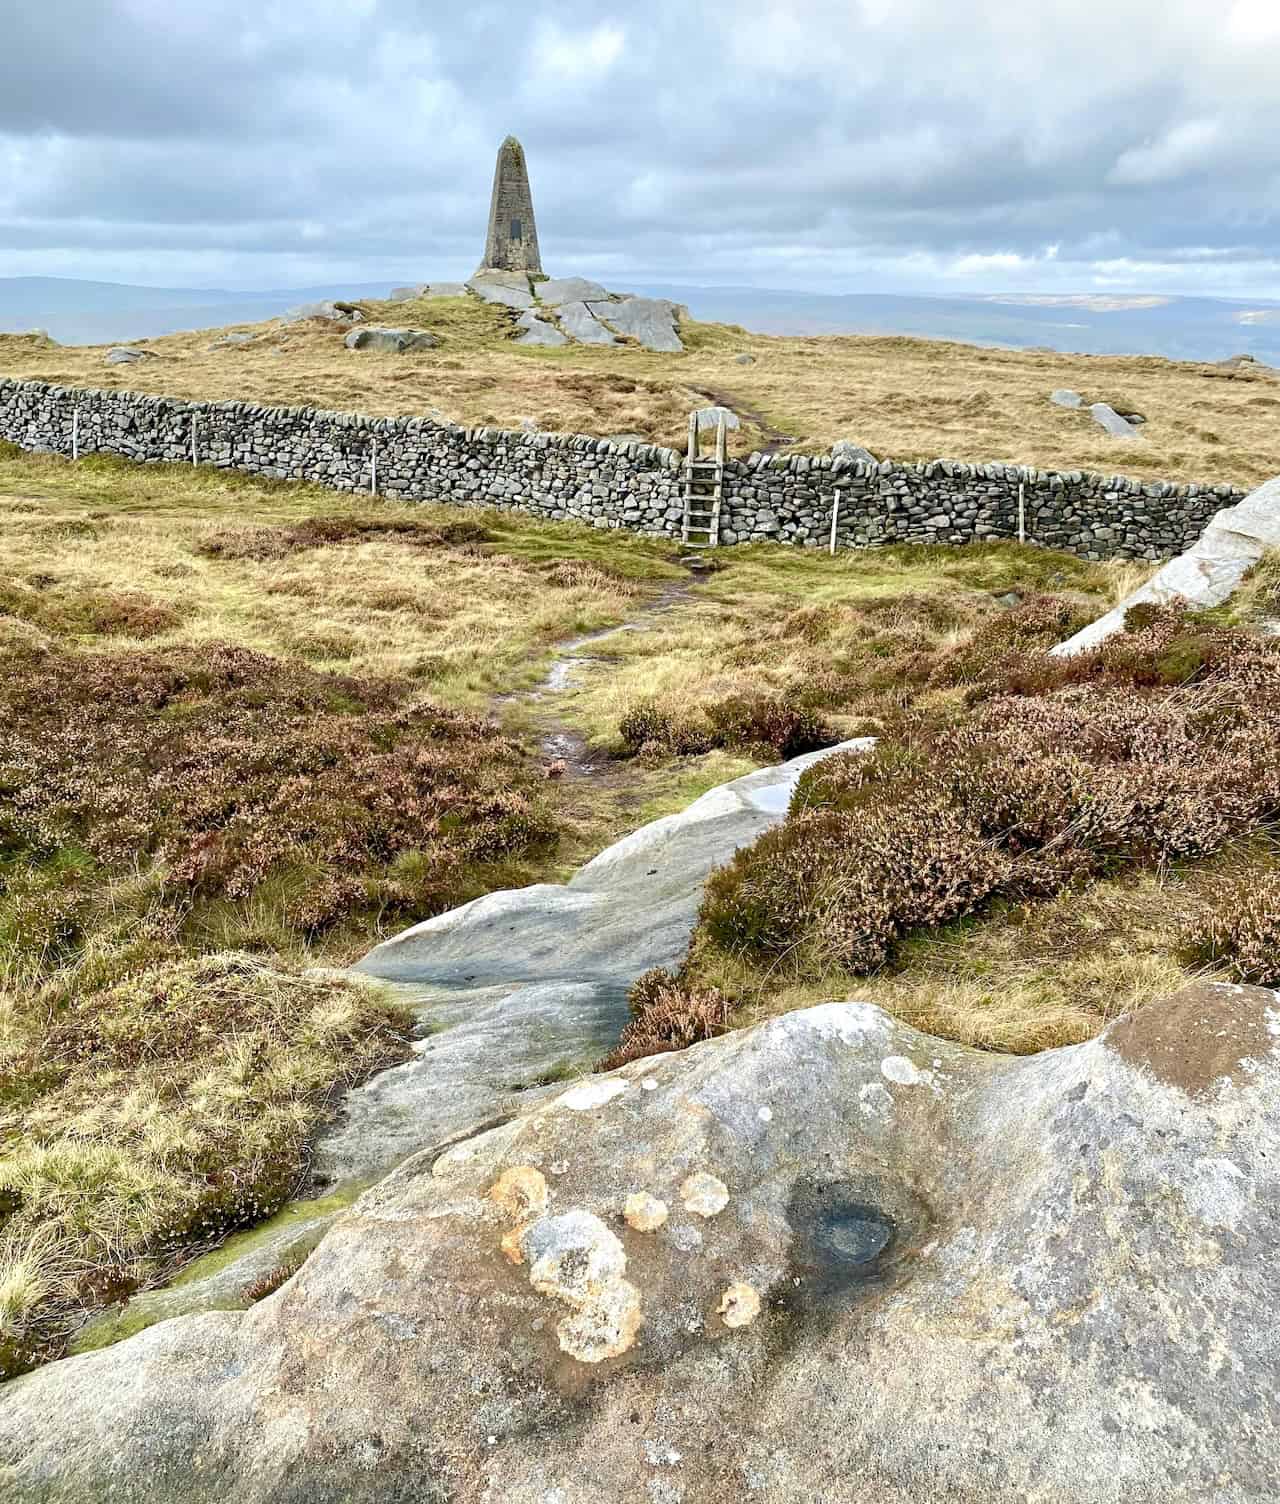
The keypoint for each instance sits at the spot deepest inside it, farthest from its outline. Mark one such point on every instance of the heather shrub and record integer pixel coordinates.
(1162, 746)
(1241, 931)
(773, 724)
(229, 766)
(667, 1015)
(86, 613)
(263, 543)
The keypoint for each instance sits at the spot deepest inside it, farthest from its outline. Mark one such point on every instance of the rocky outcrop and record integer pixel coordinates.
(1208, 573)
(383, 341)
(511, 993)
(651, 322)
(825, 1258)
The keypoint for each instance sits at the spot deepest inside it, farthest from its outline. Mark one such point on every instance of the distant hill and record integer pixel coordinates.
(81, 313)
(1084, 324)
(95, 313)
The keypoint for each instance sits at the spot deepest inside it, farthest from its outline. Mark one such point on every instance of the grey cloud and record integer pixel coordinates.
(835, 143)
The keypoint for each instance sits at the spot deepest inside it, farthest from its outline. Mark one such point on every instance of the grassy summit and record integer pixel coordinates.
(906, 399)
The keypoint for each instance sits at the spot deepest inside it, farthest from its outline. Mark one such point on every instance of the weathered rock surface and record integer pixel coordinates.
(580, 324)
(1065, 398)
(336, 313)
(1208, 573)
(527, 985)
(383, 341)
(511, 289)
(407, 294)
(828, 1258)
(709, 418)
(538, 332)
(232, 340)
(557, 290)
(124, 355)
(1107, 417)
(650, 321)
(844, 452)
(511, 993)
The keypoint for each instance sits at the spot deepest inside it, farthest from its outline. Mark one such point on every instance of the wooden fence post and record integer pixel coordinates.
(835, 517)
(75, 434)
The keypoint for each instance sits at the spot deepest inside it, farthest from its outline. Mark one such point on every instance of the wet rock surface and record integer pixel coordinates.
(928, 1274)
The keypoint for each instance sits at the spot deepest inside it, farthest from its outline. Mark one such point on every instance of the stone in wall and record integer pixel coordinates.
(637, 486)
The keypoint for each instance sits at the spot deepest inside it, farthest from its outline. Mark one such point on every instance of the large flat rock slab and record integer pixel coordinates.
(828, 1258)
(1208, 573)
(649, 321)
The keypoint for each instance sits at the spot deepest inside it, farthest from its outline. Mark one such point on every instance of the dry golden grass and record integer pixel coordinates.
(775, 619)
(466, 621)
(907, 399)
(1022, 979)
(158, 1114)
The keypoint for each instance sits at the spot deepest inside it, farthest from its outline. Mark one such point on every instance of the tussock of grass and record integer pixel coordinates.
(908, 399)
(159, 1113)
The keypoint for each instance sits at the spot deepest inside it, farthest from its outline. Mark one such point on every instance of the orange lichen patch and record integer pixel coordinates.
(739, 1305)
(644, 1212)
(521, 1192)
(512, 1244)
(704, 1194)
(1199, 1036)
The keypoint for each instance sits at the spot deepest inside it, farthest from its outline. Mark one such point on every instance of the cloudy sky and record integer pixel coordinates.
(832, 145)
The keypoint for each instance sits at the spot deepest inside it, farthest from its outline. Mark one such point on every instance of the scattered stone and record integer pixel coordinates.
(579, 323)
(383, 341)
(232, 340)
(650, 321)
(709, 418)
(1063, 397)
(538, 332)
(556, 291)
(744, 360)
(1134, 418)
(122, 355)
(1107, 417)
(844, 452)
(335, 313)
(1208, 573)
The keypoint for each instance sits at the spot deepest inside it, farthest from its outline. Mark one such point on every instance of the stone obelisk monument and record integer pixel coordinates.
(512, 242)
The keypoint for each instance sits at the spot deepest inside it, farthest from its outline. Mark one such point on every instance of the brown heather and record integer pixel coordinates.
(1240, 932)
(229, 767)
(1163, 746)
(666, 1015)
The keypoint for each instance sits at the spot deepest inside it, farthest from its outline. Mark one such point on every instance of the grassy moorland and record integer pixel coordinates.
(248, 729)
(907, 399)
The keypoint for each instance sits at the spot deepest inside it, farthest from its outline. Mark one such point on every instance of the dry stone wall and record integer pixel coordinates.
(783, 498)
